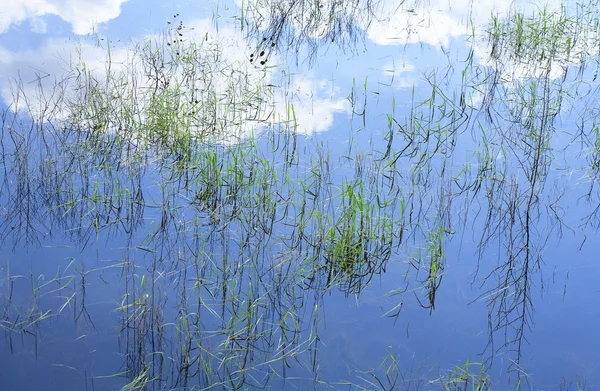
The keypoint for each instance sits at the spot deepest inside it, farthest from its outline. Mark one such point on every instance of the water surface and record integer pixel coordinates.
(299, 195)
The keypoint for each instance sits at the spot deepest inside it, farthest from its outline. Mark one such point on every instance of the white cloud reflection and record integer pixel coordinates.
(401, 75)
(315, 103)
(83, 15)
(44, 80)
(431, 22)
(307, 102)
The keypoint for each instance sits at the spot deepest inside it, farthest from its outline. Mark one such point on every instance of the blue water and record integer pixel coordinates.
(113, 268)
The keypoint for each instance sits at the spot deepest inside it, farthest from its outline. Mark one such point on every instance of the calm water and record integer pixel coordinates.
(299, 195)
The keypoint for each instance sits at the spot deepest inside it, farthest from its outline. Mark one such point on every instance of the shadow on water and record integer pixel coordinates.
(204, 238)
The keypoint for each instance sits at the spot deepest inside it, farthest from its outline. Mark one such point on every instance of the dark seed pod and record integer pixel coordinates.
(262, 53)
(262, 62)
(251, 55)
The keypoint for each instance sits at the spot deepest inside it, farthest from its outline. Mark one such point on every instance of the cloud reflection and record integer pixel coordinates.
(437, 22)
(47, 81)
(83, 15)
